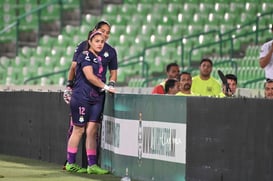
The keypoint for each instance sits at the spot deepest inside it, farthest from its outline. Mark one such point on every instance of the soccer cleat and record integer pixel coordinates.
(74, 168)
(95, 169)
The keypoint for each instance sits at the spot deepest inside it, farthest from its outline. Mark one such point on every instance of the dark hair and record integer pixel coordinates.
(170, 83)
(171, 65)
(187, 73)
(267, 81)
(232, 77)
(90, 38)
(184, 73)
(100, 24)
(206, 60)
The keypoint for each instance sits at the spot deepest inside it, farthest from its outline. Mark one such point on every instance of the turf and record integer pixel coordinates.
(17, 168)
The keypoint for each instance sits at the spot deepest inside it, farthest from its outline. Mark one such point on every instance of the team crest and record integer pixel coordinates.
(81, 119)
(106, 54)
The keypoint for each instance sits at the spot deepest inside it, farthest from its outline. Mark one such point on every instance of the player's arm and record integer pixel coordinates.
(93, 79)
(113, 78)
(266, 59)
(70, 82)
(72, 70)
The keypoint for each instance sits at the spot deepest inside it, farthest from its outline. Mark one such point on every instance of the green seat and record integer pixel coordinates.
(130, 1)
(71, 5)
(47, 40)
(206, 7)
(90, 20)
(174, 8)
(163, 30)
(117, 30)
(50, 13)
(251, 8)
(132, 30)
(25, 6)
(9, 35)
(126, 40)
(5, 62)
(64, 62)
(110, 9)
(126, 10)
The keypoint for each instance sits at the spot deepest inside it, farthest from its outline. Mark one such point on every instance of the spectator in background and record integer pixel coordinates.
(171, 86)
(172, 71)
(232, 86)
(268, 89)
(185, 81)
(204, 84)
(266, 58)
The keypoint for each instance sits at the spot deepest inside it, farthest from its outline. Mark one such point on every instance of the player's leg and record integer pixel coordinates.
(99, 128)
(91, 140)
(80, 116)
(72, 149)
(69, 132)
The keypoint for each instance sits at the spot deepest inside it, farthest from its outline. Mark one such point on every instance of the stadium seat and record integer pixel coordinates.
(46, 40)
(132, 30)
(51, 13)
(71, 5)
(130, 1)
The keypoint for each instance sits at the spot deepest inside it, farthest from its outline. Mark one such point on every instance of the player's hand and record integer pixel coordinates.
(111, 90)
(67, 95)
(111, 84)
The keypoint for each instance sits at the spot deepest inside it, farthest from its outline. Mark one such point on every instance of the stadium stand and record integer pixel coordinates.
(155, 31)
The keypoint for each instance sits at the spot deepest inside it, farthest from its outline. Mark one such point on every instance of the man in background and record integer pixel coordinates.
(204, 84)
(268, 89)
(185, 81)
(266, 58)
(232, 86)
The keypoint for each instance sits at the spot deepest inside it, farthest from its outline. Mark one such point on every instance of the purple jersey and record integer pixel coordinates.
(83, 89)
(108, 53)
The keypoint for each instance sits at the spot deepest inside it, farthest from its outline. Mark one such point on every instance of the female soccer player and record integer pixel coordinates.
(108, 52)
(87, 102)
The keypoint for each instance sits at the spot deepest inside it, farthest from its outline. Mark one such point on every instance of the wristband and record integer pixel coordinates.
(106, 87)
(69, 83)
(111, 83)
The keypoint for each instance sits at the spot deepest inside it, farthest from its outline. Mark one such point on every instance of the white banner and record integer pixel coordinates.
(145, 139)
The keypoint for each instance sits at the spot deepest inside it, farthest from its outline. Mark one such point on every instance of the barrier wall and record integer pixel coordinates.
(155, 137)
(34, 125)
(145, 134)
(229, 139)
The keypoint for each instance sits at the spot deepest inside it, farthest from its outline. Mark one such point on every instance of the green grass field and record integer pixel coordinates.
(22, 169)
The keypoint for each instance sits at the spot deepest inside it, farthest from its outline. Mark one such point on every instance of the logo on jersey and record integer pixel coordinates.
(81, 119)
(87, 56)
(106, 54)
(95, 60)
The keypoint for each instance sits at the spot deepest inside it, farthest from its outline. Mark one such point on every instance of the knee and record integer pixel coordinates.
(78, 130)
(92, 132)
